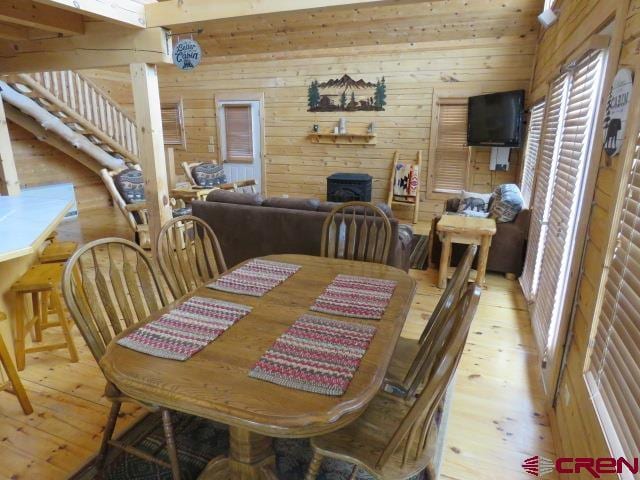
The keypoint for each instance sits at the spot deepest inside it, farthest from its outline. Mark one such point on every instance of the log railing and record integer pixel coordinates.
(81, 104)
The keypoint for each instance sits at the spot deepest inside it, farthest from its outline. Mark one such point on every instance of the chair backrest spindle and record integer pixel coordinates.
(356, 231)
(189, 254)
(448, 348)
(109, 285)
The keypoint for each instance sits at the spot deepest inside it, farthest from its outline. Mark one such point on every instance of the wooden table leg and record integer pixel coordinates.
(483, 255)
(445, 260)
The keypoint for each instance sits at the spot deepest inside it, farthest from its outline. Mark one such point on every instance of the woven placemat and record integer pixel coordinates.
(185, 330)
(255, 277)
(315, 354)
(352, 296)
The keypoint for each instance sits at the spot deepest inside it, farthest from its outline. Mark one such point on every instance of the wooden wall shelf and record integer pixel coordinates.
(344, 138)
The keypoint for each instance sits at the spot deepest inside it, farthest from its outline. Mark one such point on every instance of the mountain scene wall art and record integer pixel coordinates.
(347, 95)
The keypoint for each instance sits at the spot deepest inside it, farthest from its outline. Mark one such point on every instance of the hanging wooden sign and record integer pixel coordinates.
(615, 118)
(187, 54)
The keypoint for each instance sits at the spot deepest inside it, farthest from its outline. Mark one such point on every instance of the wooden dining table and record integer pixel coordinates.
(215, 382)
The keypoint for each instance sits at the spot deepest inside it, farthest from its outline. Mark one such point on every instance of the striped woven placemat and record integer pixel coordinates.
(255, 277)
(352, 296)
(315, 354)
(185, 330)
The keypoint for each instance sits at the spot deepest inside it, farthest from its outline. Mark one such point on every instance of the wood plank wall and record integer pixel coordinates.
(576, 428)
(40, 164)
(412, 71)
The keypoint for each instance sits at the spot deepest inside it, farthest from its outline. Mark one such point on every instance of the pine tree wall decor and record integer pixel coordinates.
(347, 95)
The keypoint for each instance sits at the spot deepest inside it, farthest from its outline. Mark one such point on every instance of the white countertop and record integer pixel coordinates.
(26, 220)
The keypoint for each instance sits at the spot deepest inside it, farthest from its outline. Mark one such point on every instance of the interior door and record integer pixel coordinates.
(241, 161)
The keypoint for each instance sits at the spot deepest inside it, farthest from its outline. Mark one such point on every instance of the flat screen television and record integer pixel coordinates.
(495, 120)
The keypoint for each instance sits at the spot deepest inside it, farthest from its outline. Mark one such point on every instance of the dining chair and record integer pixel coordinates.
(395, 439)
(189, 254)
(356, 231)
(409, 354)
(110, 285)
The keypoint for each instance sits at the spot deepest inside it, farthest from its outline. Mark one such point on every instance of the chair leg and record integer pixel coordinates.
(314, 466)
(108, 433)
(64, 324)
(38, 314)
(171, 444)
(19, 338)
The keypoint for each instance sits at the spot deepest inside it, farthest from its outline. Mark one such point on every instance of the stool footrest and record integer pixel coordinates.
(45, 348)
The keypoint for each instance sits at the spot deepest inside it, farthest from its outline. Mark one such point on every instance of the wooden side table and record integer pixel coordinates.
(453, 228)
(189, 194)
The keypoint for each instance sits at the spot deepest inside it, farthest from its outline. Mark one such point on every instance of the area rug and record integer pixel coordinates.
(199, 440)
(419, 257)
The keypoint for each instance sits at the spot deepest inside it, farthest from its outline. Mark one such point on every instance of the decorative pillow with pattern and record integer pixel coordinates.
(208, 174)
(507, 203)
(474, 204)
(130, 184)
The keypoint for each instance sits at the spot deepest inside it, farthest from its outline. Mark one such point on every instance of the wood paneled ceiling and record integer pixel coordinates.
(393, 23)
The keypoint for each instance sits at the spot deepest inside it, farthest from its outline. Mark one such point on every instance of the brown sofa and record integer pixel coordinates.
(508, 246)
(249, 226)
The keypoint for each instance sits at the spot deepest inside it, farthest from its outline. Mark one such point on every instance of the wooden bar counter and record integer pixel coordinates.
(26, 220)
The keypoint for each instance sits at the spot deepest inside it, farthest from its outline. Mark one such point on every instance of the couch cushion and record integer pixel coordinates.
(328, 206)
(208, 174)
(310, 204)
(507, 203)
(130, 184)
(239, 198)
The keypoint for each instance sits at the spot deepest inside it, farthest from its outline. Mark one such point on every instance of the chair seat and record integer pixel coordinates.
(39, 278)
(403, 355)
(362, 441)
(58, 252)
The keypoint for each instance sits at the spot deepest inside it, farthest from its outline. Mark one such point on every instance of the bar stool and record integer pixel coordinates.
(57, 252)
(14, 384)
(42, 284)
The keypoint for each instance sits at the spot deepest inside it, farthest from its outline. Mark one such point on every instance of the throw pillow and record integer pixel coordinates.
(474, 204)
(130, 184)
(507, 203)
(208, 175)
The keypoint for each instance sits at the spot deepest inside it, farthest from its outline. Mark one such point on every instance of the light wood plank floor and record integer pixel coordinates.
(497, 419)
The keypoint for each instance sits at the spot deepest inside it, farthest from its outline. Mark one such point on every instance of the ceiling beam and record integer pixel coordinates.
(44, 17)
(100, 50)
(13, 32)
(176, 12)
(124, 12)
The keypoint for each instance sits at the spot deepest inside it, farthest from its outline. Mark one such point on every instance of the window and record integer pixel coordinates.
(541, 203)
(614, 371)
(450, 154)
(531, 152)
(173, 124)
(567, 139)
(237, 134)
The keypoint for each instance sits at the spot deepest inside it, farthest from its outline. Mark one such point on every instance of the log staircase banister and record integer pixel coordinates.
(76, 100)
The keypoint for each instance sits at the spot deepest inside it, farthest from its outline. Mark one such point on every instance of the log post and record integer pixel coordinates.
(146, 98)
(9, 183)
